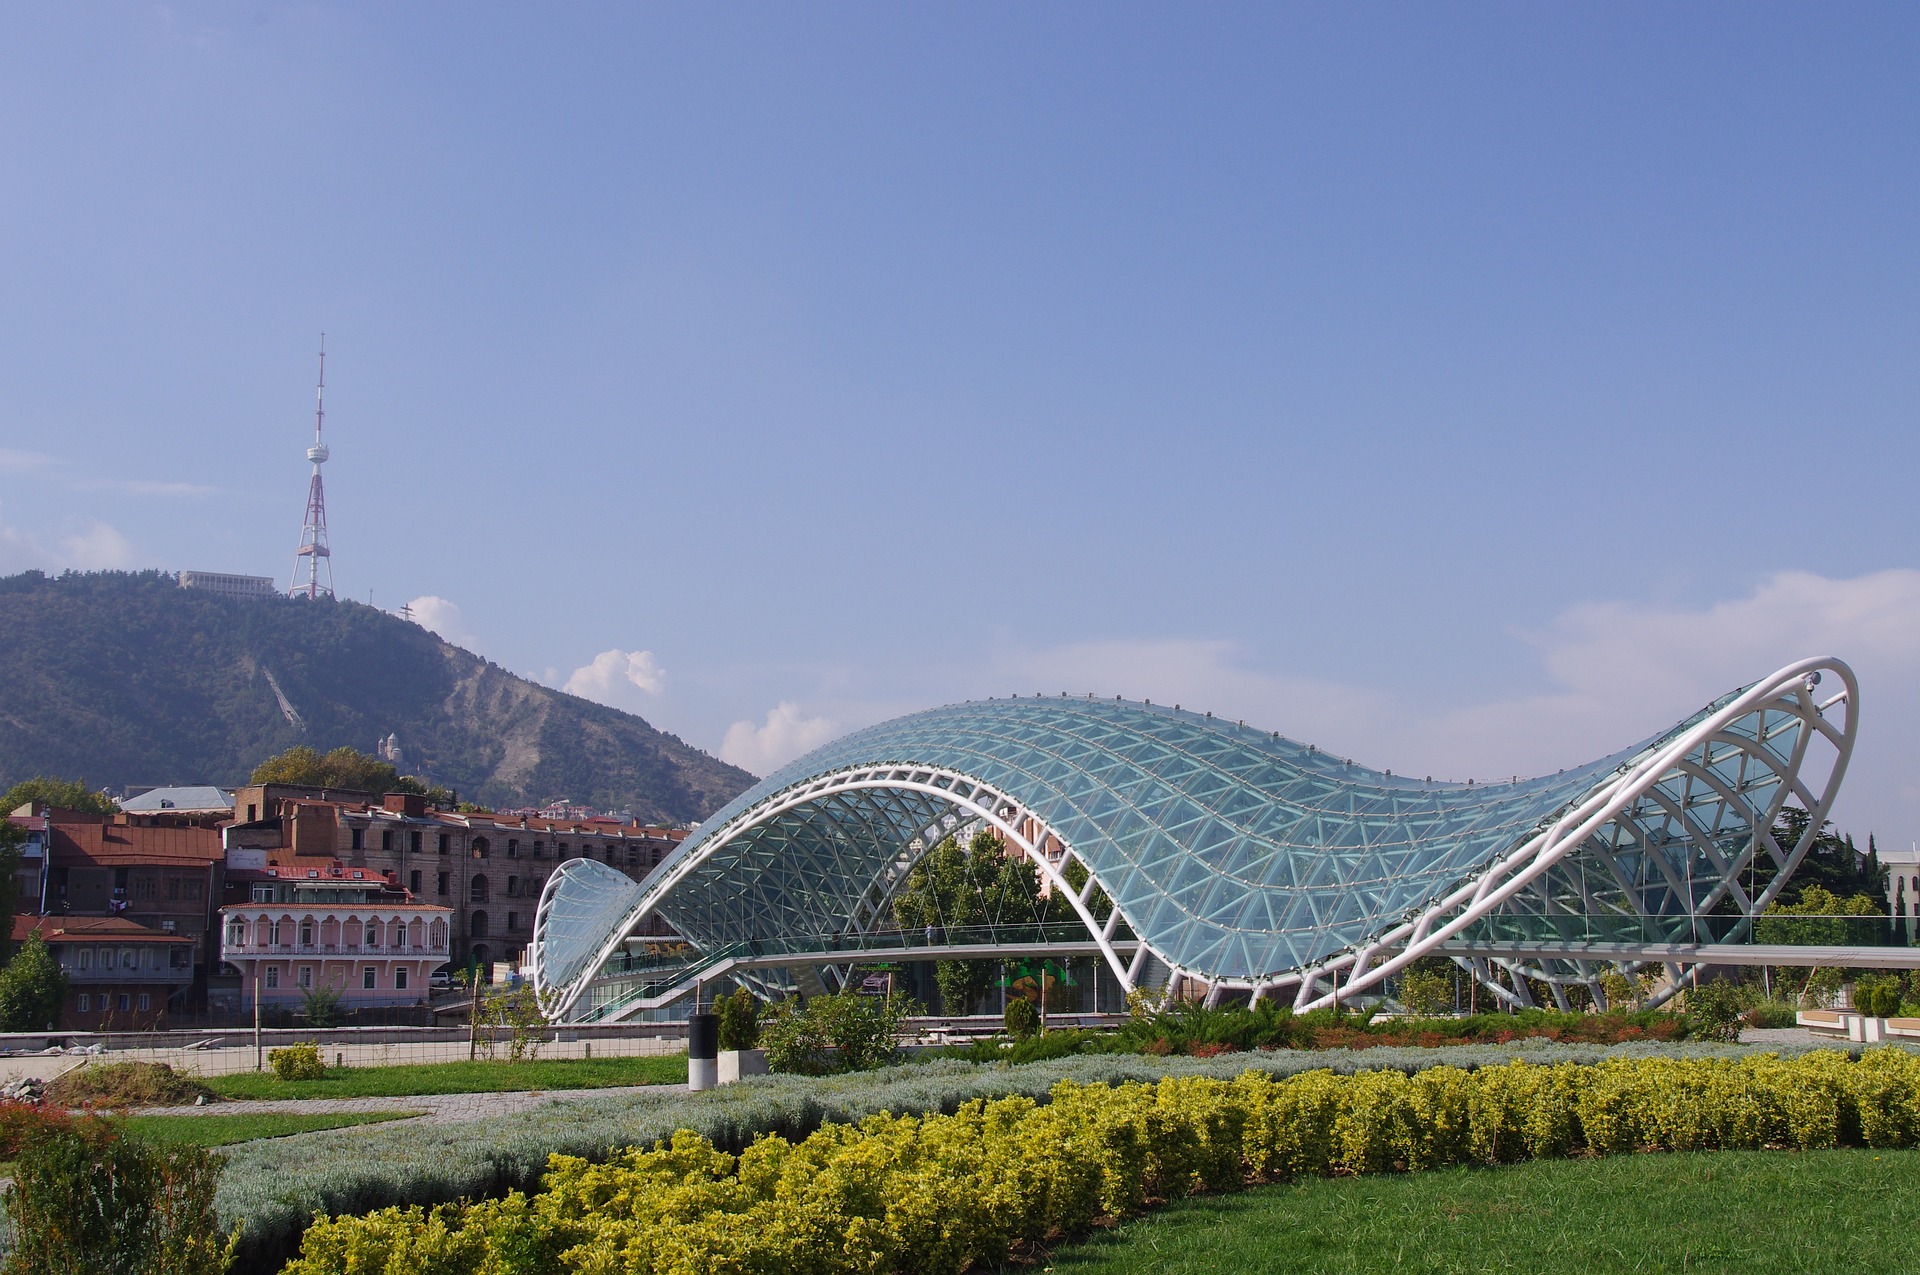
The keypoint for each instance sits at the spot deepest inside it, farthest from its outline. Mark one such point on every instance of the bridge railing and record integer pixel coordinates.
(1774, 928)
(622, 982)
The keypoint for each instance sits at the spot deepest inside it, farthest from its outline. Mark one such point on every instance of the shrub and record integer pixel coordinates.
(739, 1016)
(85, 1201)
(847, 1032)
(1771, 1014)
(1713, 1010)
(320, 1006)
(126, 1084)
(21, 1120)
(1021, 1018)
(946, 1193)
(298, 1062)
(1877, 997)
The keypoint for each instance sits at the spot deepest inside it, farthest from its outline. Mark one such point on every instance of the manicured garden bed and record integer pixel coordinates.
(1755, 1212)
(459, 1077)
(274, 1188)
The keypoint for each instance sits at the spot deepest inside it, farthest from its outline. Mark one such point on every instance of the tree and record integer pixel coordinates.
(342, 767)
(11, 835)
(67, 794)
(1833, 863)
(32, 988)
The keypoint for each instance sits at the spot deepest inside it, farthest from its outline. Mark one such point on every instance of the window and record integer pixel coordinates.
(560, 850)
(539, 849)
(86, 958)
(477, 890)
(373, 934)
(126, 1002)
(306, 933)
(273, 976)
(413, 842)
(86, 1003)
(253, 812)
(480, 847)
(513, 887)
(146, 1002)
(359, 838)
(386, 839)
(263, 894)
(444, 876)
(513, 921)
(446, 843)
(366, 978)
(513, 848)
(478, 927)
(106, 958)
(143, 888)
(173, 888)
(305, 979)
(413, 881)
(129, 959)
(400, 980)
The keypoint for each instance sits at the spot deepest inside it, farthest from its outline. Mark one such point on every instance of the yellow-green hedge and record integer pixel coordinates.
(938, 1193)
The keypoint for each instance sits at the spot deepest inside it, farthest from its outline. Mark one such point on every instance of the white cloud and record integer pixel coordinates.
(606, 680)
(98, 548)
(782, 737)
(19, 462)
(437, 615)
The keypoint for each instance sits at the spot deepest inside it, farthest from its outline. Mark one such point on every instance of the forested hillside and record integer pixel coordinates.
(125, 678)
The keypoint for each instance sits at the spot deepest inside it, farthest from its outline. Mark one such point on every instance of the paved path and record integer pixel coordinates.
(450, 1108)
(239, 1058)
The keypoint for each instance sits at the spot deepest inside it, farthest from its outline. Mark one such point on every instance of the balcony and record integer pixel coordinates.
(395, 952)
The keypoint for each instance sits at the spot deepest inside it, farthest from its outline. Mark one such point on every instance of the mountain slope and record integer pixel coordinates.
(126, 678)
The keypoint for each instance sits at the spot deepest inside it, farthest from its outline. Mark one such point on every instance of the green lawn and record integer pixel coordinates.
(220, 1131)
(459, 1077)
(1753, 1212)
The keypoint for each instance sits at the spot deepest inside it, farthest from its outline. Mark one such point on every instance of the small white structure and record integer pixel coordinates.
(243, 588)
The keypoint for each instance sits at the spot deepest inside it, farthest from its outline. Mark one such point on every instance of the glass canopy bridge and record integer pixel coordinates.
(816, 963)
(1230, 861)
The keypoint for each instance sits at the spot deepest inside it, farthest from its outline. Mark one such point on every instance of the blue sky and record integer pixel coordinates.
(1470, 389)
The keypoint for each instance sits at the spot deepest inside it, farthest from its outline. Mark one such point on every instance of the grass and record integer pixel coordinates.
(459, 1077)
(1755, 1212)
(221, 1131)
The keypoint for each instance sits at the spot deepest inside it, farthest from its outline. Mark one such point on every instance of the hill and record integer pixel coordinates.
(126, 678)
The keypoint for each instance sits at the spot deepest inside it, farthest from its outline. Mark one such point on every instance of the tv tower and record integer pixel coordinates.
(313, 558)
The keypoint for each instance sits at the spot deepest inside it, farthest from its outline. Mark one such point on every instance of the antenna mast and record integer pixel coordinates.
(313, 559)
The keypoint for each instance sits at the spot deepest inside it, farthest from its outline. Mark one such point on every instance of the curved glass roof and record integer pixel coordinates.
(1230, 850)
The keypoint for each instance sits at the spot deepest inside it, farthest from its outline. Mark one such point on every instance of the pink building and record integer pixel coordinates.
(354, 930)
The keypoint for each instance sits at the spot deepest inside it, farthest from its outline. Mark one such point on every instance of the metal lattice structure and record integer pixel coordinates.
(1236, 860)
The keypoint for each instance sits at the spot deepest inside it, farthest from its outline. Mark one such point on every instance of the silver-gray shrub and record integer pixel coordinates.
(273, 1188)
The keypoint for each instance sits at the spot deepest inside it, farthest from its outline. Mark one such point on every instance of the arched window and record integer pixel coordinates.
(480, 847)
(373, 934)
(306, 932)
(477, 890)
(478, 926)
(439, 934)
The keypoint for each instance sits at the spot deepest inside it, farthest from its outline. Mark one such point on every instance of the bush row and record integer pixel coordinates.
(941, 1193)
(275, 1187)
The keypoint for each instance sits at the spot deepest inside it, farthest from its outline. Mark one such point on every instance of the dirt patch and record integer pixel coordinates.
(116, 1086)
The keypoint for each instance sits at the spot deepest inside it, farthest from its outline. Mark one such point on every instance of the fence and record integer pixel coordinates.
(222, 1051)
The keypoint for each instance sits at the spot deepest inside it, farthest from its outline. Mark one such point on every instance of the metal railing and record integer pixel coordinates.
(1690, 930)
(229, 951)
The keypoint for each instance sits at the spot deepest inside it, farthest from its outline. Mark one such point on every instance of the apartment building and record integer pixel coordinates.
(486, 869)
(121, 975)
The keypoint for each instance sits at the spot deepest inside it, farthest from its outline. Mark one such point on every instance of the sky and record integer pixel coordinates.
(1469, 389)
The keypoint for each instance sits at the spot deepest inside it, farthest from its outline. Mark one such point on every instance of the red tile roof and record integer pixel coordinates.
(90, 929)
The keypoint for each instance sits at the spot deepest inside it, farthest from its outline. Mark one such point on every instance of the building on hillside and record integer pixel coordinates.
(202, 801)
(243, 588)
(487, 868)
(157, 871)
(292, 930)
(121, 975)
(1903, 887)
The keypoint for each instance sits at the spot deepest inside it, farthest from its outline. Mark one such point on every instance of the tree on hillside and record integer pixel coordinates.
(342, 767)
(32, 988)
(67, 794)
